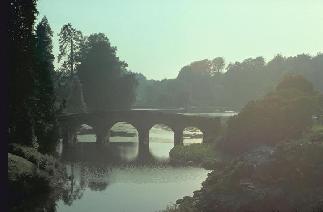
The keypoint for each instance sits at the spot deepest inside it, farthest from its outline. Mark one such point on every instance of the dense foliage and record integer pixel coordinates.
(75, 100)
(193, 154)
(281, 115)
(106, 82)
(205, 84)
(46, 126)
(268, 174)
(22, 15)
(91, 77)
(68, 88)
(285, 178)
(70, 44)
(36, 181)
(31, 105)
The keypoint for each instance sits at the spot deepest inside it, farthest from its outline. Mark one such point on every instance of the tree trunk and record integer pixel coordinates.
(72, 58)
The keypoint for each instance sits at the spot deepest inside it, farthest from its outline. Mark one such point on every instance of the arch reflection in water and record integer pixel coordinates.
(112, 153)
(125, 138)
(85, 134)
(161, 141)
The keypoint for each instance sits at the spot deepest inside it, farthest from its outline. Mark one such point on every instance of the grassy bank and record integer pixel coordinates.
(35, 180)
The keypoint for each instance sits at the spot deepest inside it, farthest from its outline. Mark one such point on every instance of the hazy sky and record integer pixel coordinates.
(158, 37)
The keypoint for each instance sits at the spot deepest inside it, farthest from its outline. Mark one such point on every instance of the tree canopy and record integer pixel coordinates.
(70, 44)
(22, 16)
(281, 115)
(106, 82)
(31, 106)
(45, 112)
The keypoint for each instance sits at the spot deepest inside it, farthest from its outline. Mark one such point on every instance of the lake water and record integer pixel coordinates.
(129, 187)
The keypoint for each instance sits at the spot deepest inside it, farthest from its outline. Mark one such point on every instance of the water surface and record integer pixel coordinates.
(130, 186)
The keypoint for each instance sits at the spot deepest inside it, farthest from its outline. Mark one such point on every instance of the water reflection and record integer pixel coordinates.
(124, 142)
(113, 153)
(128, 187)
(114, 178)
(74, 189)
(161, 139)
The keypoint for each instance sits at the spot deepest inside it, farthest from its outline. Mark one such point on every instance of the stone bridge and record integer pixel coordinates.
(142, 120)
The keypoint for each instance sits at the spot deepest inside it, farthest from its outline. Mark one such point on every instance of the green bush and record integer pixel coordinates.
(24, 177)
(36, 181)
(45, 162)
(316, 134)
(182, 205)
(286, 177)
(171, 208)
(283, 114)
(195, 154)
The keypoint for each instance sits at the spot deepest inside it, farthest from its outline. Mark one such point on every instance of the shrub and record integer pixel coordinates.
(285, 178)
(281, 115)
(45, 162)
(194, 153)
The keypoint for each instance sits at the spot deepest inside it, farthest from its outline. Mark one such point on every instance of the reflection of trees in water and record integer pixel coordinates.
(91, 152)
(98, 186)
(94, 177)
(38, 194)
(45, 201)
(114, 154)
(74, 191)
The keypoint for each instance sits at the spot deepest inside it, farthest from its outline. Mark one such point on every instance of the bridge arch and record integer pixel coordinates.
(71, 131)
(122, 129)
(142, 120)
(85, 133)
(192, 134)
(126, 135)
(161, 140)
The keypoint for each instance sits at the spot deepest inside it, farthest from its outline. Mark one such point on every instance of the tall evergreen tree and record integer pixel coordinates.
(45, 119)
(22, 14)
(70, 42)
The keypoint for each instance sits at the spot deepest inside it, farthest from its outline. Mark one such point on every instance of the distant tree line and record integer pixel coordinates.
(211, 83)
